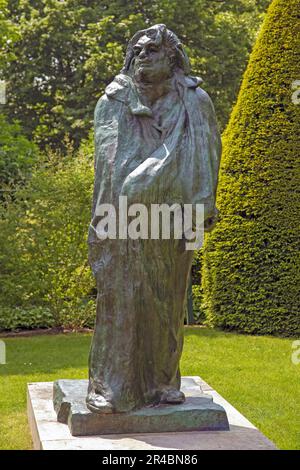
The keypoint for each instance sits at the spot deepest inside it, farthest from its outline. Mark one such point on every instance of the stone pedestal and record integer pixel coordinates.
(197, 413)
(49, 434)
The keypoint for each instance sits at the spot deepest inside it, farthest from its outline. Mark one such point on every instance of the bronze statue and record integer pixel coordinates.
(156, 141)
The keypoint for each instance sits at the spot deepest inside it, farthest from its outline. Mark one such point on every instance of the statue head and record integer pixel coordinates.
(154, 54)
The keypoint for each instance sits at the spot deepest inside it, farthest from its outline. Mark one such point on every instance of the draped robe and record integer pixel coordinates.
(167, 154)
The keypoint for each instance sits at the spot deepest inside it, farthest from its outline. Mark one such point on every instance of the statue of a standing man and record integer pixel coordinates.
(156, 142)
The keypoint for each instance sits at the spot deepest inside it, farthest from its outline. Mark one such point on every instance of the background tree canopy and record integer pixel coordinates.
(8, 33)
(64, 53)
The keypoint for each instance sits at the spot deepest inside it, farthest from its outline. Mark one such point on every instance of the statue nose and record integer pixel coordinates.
(143, 54)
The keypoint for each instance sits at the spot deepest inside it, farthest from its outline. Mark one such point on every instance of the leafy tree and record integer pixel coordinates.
(8, 33)
(17, 154)
(17, 157)
(68, 51)
(251, 260)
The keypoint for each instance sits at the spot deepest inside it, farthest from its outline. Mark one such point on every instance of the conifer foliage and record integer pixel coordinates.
(251, 262)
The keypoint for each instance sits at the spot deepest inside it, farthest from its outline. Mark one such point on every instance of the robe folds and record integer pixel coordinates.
(168, 154)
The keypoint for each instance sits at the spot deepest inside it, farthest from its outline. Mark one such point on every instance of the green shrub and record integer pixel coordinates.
(43, 249)
(83, 316)
(17, 156)
(16, 318)
(251, 262)
(41, 317)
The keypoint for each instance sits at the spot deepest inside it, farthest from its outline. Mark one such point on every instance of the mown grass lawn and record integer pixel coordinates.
(254, 373)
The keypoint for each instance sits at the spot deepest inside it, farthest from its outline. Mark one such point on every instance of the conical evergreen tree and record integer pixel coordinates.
(251, 261)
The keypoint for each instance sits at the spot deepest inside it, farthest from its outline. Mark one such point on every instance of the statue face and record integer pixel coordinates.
(152, 63)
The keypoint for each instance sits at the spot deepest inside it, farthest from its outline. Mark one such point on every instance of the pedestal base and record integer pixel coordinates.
(197, 413)
(48, 434)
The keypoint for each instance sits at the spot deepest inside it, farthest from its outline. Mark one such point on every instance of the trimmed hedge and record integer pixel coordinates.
(199, 314)
(251, 262)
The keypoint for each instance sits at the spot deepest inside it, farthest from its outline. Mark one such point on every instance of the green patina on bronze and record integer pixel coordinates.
(156, 142)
